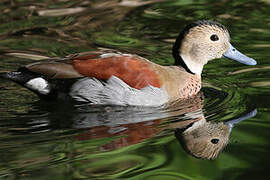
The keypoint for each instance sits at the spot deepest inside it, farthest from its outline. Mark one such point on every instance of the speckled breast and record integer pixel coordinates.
(191, 88)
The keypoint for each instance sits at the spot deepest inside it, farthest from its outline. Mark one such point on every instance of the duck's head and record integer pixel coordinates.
(203, 41)
(204, 139)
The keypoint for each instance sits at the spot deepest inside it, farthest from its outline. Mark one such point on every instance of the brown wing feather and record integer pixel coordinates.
(61, 68)
(133, 70)
(54, 69)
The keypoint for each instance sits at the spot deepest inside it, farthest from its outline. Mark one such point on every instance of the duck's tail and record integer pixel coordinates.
(7, 75)
(21, 76)
(31, 81)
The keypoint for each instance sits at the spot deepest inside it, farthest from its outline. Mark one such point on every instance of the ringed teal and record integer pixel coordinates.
(110, 77)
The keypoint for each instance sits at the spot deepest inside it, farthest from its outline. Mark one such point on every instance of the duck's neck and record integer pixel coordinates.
(193, 65)
(188, 64)
(183, 60)
(180, 62)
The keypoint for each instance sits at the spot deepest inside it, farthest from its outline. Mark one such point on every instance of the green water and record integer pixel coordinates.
(41, 140)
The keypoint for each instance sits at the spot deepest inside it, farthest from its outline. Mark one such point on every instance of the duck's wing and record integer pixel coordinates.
(56, 68)
(135, 71)
(53, 69)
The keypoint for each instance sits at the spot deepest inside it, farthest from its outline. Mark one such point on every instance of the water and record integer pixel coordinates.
(41, 140)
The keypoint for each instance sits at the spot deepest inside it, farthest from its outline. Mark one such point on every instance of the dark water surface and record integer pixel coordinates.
(41, 140)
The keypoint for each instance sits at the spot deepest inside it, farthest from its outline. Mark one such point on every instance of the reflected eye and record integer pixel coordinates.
(214, 141)
(214, 37)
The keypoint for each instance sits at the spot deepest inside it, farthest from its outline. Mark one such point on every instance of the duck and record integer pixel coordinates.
(109, 77)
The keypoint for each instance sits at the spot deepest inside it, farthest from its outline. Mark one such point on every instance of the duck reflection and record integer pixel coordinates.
(125, 126)
(198, 137)
(204, 139)
(134, 124)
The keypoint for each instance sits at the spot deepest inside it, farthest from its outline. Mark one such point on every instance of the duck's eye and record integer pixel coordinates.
(214, 141)
(214, 37)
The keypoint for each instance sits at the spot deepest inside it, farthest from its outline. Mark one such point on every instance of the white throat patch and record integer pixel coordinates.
(194, 67)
